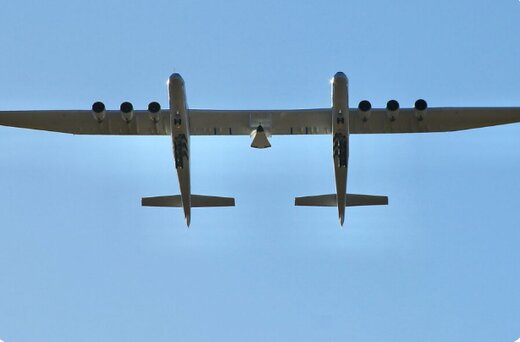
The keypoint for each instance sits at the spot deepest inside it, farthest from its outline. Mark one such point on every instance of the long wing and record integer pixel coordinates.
(276, 122)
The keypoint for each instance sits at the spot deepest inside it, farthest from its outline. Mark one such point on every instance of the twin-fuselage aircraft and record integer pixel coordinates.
(339, 121)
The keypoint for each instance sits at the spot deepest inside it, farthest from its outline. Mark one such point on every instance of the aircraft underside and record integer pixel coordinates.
(339, 121)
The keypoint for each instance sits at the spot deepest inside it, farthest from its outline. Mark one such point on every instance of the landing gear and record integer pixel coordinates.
(340, 149)
(180, 150)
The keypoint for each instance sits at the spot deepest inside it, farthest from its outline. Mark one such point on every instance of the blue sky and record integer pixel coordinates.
(81, 260)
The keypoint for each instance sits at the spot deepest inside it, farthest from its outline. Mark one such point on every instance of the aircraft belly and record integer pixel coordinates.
(340, 139)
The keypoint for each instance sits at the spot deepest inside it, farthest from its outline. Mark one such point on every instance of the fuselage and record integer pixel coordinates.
(180, 133)
(340, 139)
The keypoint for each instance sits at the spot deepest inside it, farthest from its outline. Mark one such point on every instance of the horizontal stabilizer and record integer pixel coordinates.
(211, 201)
(331, 201)
(316, 201)
(359, 200)
(197, 201)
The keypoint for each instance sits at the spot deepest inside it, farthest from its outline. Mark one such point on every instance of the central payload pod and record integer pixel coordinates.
(260, 138)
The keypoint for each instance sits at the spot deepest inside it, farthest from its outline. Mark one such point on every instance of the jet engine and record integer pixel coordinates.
(99, 111)
(365, 108)
(154, 108)
(392, 108)
(420, 109)
(127, 111)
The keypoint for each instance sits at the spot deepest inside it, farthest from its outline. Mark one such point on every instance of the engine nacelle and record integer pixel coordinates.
(99, 111)
(392, 108)
(365, 109)
(127, 111)
(420, 109)
(154, 109)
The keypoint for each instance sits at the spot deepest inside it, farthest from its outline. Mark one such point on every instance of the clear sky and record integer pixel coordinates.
(80, 260)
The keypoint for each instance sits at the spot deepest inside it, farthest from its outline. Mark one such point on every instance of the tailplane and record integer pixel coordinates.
(197, 201)
(331, 200)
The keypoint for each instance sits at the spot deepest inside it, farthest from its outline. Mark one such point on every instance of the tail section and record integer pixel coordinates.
(331, 200)
(197, 201)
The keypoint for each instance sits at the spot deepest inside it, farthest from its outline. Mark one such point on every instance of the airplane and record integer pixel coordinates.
(338, 120)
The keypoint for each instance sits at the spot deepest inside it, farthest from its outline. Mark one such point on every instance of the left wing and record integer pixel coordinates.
(83, 122)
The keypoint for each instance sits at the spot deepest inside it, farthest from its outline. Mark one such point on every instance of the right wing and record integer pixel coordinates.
(432, 120)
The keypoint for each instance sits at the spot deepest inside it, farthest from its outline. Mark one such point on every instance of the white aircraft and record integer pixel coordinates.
(339, 120)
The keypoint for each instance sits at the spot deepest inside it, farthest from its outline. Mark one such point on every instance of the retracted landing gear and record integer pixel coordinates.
(180, 150)
(340, 149)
